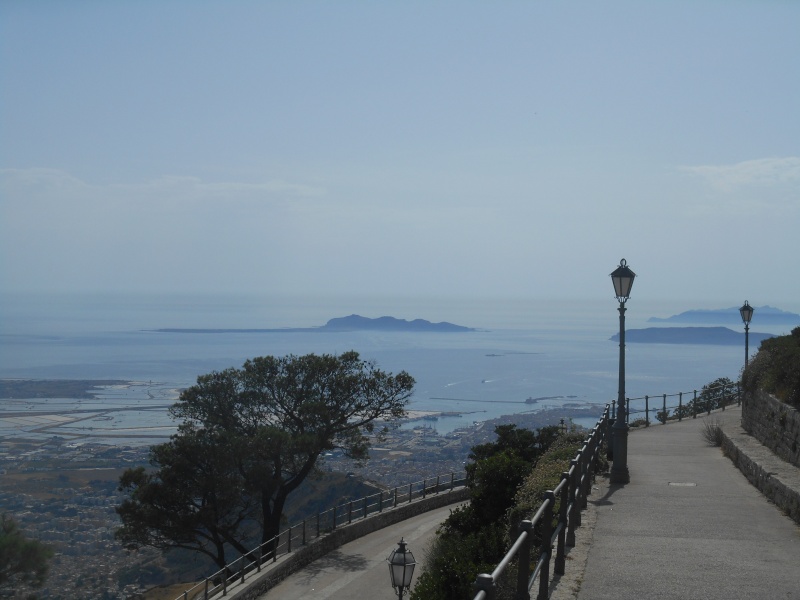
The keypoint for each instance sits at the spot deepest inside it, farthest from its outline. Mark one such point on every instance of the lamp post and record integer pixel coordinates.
(747, 313)
(622, 278)
(401, 568)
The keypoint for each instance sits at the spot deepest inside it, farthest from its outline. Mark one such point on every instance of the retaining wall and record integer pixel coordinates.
(773, 423)
(767, 482)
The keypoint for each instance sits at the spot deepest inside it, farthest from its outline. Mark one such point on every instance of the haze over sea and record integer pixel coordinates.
(521, 349)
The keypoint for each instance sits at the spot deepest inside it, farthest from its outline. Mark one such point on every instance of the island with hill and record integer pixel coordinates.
(714, 336)
(767, 315)
(350, 323)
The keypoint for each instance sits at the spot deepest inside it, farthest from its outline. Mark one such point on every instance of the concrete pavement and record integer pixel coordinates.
(688, 526)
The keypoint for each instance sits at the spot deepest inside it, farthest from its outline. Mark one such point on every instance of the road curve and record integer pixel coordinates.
(359, 569)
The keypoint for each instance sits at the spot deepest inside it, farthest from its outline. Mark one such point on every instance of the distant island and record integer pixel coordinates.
(351, 323)
(357, 323)
(715, 336)
(767, 315)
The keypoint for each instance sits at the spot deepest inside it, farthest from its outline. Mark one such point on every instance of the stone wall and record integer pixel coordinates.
(773, 423)
(273, 575)
(784, 496)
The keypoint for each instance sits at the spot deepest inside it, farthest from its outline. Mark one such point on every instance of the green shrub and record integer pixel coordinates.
(546, 476)
(475, 537)
(776, 368)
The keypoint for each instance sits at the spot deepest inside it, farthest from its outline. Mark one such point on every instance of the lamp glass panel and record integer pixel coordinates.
(747, 313)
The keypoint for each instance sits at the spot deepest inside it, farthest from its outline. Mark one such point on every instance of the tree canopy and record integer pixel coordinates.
(248, 438)
(22, 561)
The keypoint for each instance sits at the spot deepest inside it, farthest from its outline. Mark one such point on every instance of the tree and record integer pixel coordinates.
(716, 394)
(196, 499)
(263, 428)
(22, 561)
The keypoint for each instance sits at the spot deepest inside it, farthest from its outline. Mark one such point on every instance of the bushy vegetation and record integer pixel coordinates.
(776, 368)
(506, 481)
(23, 562)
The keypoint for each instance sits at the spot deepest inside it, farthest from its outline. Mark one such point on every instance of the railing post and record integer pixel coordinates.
(243, 567)
(570, 508)
(424, 487)
(350, 511)
(694, 405)
(205, 594)
(610, 433)
(395, 497)
(680, 407)
(586, 484)
(452, 480)
(289, 541)
(409, 491)
(562, 521)
(524, 562)
(646, 411)
(664, 408)
(574, 494)
(380, 502)
(546, 551)
(484, 583)
(334, 517)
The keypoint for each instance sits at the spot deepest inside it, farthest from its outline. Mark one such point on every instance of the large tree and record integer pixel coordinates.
(267, 424)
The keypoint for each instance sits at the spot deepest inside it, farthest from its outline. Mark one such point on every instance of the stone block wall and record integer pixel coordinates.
(773, 423)
(785, 497)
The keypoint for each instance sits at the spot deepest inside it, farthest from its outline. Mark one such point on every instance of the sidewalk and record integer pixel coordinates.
(688, 526)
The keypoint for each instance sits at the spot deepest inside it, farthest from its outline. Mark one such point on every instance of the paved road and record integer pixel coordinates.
(688, 526)
(359, 570)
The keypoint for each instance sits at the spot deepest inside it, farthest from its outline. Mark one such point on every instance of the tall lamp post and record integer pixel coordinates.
(747, 313)
(622, 278)
(401, 568)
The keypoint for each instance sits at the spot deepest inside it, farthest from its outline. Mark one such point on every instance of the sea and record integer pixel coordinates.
(525, 354)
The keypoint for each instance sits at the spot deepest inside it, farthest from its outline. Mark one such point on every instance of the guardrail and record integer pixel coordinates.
(572, 495)
(323, 523)
(727, 396)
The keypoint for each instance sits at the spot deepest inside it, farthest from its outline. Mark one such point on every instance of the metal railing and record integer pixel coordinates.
(323, 523)
(727, 396)
(572, 495)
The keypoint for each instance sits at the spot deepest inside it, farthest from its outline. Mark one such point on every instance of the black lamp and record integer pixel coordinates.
(747, 313)
(401, 568)
(622, 277)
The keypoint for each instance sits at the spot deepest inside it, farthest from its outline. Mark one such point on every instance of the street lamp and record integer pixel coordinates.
(401, 568)
(622, 278)
(747, 313)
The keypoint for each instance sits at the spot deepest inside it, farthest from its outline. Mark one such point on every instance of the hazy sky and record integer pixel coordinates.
(402, 148)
